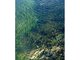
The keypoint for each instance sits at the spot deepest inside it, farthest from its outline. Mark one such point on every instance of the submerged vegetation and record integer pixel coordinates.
(39, 29)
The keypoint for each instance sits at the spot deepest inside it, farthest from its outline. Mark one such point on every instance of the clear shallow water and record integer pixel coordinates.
(39, 23)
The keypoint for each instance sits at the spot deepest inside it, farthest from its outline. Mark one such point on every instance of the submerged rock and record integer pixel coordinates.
(45, 53)
(55, 49)
(36, 54)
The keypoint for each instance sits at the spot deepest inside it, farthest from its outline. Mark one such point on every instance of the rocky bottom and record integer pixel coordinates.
(54, 53)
